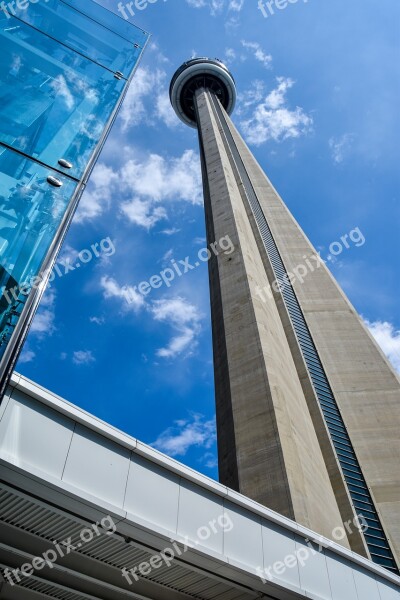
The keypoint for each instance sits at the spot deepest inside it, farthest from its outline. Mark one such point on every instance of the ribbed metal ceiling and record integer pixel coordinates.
(46, 522)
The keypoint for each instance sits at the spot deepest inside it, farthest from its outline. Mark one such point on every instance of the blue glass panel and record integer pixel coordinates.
(31, 211)
(83, 34)
(54, 103)
(108, 19)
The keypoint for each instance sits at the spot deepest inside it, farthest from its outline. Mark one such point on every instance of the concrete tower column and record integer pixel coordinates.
(307, 405)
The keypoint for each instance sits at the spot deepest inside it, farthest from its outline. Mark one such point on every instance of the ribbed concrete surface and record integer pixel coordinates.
(271, 445)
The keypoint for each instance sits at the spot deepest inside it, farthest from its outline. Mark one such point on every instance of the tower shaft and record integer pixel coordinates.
(308, 407)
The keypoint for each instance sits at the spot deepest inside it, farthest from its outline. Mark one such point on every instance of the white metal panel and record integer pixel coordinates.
(366, 584)
(279, 547)
(97, 465)
(33, 435)
(388, 591)
(201, 517)
(313, 569)
(152, 494)
(243, 543)
(341, 578)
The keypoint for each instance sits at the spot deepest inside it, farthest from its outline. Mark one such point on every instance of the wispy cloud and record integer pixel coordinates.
(259, 54)
(43, 323)
(143, 212)
(157, 178)
(96, 199)
(341, 147)
(135, 109)
(186, 434)
(26, 356)
(131, 299)
(388, 339)
(272, 119)
(143, 186)
(83, 357)
(147, 100)
(184, 318)
(216, 7)
(97, 320)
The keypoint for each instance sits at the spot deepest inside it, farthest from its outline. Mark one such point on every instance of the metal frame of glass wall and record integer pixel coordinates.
(65, 68)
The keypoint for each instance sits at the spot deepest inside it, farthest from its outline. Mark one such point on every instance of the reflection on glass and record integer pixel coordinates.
(59, 86)
(85, 35)
(31, 211)
(109, 19)
(54, 103)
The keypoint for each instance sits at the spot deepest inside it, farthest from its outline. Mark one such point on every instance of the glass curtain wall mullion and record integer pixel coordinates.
(71, 28)
(39, 162)
(31, 212)
(56, 103)
(54, 39)
(288, 291)
(105, 17)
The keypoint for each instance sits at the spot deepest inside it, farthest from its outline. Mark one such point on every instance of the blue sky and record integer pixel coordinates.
(318, 87)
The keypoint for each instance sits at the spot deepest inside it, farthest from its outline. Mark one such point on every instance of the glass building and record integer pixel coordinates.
(65, 67)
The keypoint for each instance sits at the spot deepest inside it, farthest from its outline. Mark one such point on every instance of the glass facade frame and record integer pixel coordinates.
(65, 68)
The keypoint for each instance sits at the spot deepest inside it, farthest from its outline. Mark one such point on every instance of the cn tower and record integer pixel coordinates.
(308, 407)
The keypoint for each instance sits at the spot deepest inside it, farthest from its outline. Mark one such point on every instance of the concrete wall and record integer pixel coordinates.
(365, 385)
(272, 441)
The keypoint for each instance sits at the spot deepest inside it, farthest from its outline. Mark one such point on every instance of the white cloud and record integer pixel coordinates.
(97, 320)
(197, 3)
(184, 318)
(215, 6)
(178, 313)
(157, 178)
(135, 108)
(171, 231)
(141, 185)
(168, 255)
(26, 356)
(210, 460)
(148, 99)
(143, 212)
(340, 147)
(83, 357)
(43, 323)
(98, 196)
(258, 53)
(132, 299)
(248, 98)
(165, 112)
(236, 5)
(230, 54)
(388, 339)
(273, 120)
(186, 434)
